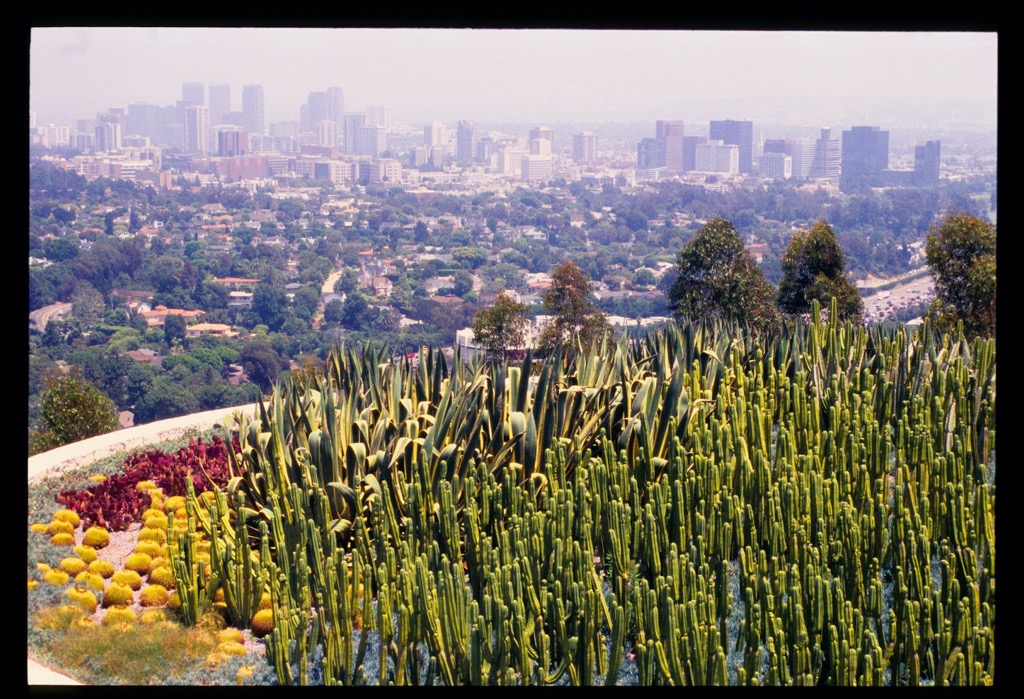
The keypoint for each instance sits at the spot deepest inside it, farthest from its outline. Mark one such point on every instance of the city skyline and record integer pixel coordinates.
(514, 74)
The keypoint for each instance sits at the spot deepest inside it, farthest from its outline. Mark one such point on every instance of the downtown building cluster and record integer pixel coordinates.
(202, 135)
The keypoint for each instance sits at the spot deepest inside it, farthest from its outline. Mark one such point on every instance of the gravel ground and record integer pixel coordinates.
(121, 545)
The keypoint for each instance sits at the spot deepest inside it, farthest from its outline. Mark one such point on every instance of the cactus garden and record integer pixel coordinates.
(811, 506)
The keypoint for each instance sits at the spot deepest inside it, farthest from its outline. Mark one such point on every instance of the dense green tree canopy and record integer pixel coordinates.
(576, 321)
(814, 268)
(71, 408)
(500, 327)
(961, 250)
(718, 279)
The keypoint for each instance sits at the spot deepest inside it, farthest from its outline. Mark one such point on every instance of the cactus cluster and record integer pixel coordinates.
(694, 507)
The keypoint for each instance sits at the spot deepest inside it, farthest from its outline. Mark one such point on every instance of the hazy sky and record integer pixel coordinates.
(506, 74)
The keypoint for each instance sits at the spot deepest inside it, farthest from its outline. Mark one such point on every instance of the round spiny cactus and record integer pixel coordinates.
(43, 567)
(97, 537)
(86, 553)
(59, 526)
(63, 539)
(174, 601)
(39, 528)
(262, 622)
(56, 577)
(119, 616)
(98, 478)
(69, 516)
(162, 576)
(143, 486)
(128, 577)
(32, 584)
(154, 596)
(90, 579)
(152, 616)
(180, 515)
(85, 622)
(153, 533)
(231, 634)
(102, 568)
(118, 594)
(139, 562)
(73, 565)
(231, 648)
(150, 548)
(218, 596)
(174, 502)
(84, 598)
(214, 659)
(160, 562)
(266, 601)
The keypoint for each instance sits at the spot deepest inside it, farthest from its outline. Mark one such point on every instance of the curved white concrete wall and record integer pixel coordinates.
(94, 448)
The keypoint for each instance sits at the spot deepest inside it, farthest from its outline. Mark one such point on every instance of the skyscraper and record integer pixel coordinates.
(220, 103)
(926, 163)
(865, 154)
(197, 129)
(670, 133)
(737, 133)
(316, 109)
(335, 104)
(252, 109)
(351, 123)
(650, 154)
(690, 144)
(826, 162)
(434, 134)
(465, 142)
(584, 147)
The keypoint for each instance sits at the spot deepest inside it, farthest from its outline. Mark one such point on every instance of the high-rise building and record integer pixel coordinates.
(670, 133)
(827, 161)
(315, 110)
(540, 146)
(220, 103)
(865, 154)
(737, 133)
(434, 134)
(370, 139)
(926, 163)
(197, 129)
(351, 123)
(775, 165)
(465, 142)
(584, 147)
(543, 132)
(231, 142)
(252, 109)
(335, 104)
(802, 151)
(193, 93)
(718, 156)
(690, 144)
(536, 168)
(650, 154)
(327, 133)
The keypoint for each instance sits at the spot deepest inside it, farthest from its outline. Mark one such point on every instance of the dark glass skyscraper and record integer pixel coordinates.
(737, 133)
(865, 155)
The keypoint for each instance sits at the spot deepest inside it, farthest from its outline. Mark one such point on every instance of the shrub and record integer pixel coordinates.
(119, 501)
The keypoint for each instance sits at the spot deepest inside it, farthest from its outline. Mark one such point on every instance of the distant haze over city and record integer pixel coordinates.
(912, 80)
